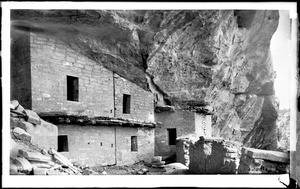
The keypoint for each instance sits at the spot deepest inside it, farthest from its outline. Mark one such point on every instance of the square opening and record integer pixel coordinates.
(126, 104)
(62, 143)
(172, 135)
(134, 144)
(72, 88)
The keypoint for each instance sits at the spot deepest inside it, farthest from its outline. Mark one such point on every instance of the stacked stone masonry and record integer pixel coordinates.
(208, 155)
(107, 145)
(142, 105)
(256, 161)
(186, 123)
(51, 63)
(48, 63)
(39, 80)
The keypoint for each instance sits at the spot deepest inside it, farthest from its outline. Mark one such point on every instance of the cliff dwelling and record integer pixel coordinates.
(145, 92)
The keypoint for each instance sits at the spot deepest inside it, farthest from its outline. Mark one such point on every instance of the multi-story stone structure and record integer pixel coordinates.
(52, 79)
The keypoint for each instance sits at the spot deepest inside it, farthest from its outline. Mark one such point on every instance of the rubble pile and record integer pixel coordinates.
(28, 158)
(256, 161)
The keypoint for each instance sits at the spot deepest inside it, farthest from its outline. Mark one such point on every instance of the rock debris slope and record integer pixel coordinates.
(219, 58)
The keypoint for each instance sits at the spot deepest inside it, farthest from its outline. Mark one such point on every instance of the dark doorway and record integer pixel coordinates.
(72, 88)
(126, 104)
(63, 143)
(134, 144)
(172, 135)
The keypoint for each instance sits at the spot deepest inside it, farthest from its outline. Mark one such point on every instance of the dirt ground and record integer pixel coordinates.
(140, 168)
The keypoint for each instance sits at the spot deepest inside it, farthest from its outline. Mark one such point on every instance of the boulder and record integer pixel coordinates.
(35, 156)
(156, 159)
(39, 171)
(13, 170)
(15, 122)
(176, 166)
(266, 154)
(14, 104)
(21, 134)
(32, 117)
(23, 165)
(55, 172)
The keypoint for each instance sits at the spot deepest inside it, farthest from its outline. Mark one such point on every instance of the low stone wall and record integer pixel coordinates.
(182, 151)
(256, 161)
(208, 155)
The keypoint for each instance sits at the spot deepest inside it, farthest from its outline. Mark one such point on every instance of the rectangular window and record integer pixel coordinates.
(134, 145)
(172, 136)
(63, 143)
(72, 88)
(126, 104)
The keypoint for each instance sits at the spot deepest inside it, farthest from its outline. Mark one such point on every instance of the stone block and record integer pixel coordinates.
(39, 171)
(40, 164)
(158, 163)
(20, 109)
(55, 172)
(23, 165)
(13, 169)
(158, 166)
(14, 104)
(266, 154)
(15, 122)
(21, 134)
(34, 156)
(156, 159)
(231, 155)
(32, 117)
(231, 150)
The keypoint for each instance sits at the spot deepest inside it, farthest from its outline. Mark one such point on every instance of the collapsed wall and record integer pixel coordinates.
(208, 155)
(255, 161)
(219, 156)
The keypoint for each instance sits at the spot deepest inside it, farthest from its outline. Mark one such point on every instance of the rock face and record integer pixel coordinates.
(219, 58)
(283, 129)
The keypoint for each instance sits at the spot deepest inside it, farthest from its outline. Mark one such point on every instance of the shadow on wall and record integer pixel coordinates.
(244, 18)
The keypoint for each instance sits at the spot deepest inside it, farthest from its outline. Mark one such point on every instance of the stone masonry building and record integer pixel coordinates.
(175, 124)
(52, 79)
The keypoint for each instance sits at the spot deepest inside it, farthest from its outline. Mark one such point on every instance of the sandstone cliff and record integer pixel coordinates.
(219, 58)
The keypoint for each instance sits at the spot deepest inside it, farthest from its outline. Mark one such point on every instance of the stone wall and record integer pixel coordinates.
(51, 62)
(256, 161)
(182, 151)
(183, 121)
(20, 74)
(213, 156)
(145, 140)
(142, 101)
(93, 145)
(203, 125)
(107, 145)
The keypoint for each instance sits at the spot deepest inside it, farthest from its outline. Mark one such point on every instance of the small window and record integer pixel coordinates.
(63, 143)
(72, 88)
(126, 104)
(172, 136)
(134, 145)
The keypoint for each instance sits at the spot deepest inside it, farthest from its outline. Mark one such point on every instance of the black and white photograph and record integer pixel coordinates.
(150, 94)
